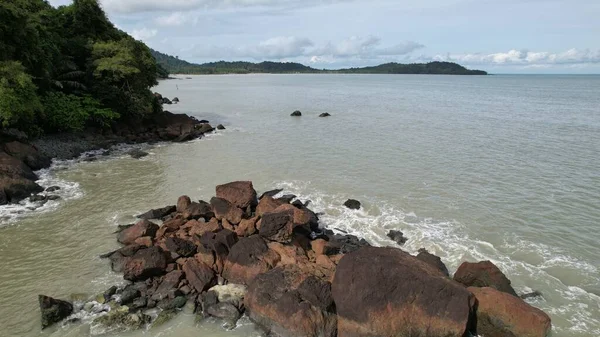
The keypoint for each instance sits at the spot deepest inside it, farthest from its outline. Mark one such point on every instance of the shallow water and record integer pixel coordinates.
(499, 167)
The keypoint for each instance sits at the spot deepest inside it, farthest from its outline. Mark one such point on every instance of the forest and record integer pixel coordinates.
(67, 68)
(176, 66)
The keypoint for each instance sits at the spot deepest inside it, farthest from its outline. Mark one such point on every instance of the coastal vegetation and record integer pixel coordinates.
(176, 66)
(68, 68)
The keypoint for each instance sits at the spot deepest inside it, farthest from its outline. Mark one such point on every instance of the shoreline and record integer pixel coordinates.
(268, 258)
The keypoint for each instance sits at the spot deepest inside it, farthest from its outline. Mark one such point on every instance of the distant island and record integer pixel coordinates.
(173, 65)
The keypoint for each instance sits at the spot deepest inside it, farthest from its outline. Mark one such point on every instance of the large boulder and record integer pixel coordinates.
(200, 276)
(277, 226)
(502, 315)
(388, 292)
(17, 180)
(267, 205)
(239, 193)
(287, 302)
(53, 310)
(140, 229)
(224, 209)
(197, 210)
(145, 263)
(483, 274)
(247, 259)
(28, 154)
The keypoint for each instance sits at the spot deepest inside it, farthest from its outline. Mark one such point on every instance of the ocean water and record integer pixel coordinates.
(505, 168)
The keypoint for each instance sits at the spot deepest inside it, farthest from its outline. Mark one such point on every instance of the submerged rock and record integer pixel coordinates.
(325, 114)
(352, 204)
(483, 274)
(163, 317)
(119, 319)
(53, 310)
(53, 189)
(532, 294)
(296, 113)
(220, 127)
(397, 236)
(137, 153)
(501, 314)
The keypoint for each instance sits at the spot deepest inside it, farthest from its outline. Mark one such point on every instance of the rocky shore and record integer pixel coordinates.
(20, 157)
(267, 257)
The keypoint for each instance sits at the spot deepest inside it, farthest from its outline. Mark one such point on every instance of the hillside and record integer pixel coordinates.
(176, 66)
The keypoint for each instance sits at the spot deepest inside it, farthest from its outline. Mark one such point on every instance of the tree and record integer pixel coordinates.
(19, 103)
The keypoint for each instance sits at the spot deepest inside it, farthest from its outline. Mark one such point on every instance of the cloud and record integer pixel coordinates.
(291, 47)
(526, 58)
(143, 33)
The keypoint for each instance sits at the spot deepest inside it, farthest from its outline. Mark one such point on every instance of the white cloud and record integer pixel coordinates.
(173, 19)
(280, 47)
(526, 58)
(143, 33)
(365, 47)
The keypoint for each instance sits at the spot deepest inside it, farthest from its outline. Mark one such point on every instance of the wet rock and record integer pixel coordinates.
(226, 210)
(53, 197)
(119, 319)
(239, 193)
(247, 259)
(296, 113)
(325, 114)
(168, 285)
(433, 261)
(140, 229)
(137, 153)
(53, 189)
(226, 311)
(483, 274)
(176, 99)
(200, 276)
(109, 293)
(172, 303)
(158, 213)
(205, 128)
(207, 299)
(500, 314)
(287, 198)
(387, 292)
(271, 193)
(129, 294)
(139, 303)
(145, 263)
(220, 127)
(397, 236)
(231, 293)
(275, 303)
(346, 243)
(53, 310)
(38, 198)
(163, 317)
(352, 204)
(181, 247)
(532, 294)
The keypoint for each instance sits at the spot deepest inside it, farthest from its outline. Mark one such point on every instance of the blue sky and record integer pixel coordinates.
(500, 36)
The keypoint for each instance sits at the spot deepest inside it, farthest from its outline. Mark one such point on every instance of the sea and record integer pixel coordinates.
(503, 168)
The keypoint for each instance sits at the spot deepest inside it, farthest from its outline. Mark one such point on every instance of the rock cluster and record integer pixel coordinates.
(267, 258)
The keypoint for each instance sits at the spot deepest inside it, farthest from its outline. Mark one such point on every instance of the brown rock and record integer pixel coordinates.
(175, 223)
(181, 247)
(302, 217)
(226, 210)
(28, 154)
(200, 228)
(247, 259)
(197, 210)
(168, 285)
(325, 261)
(182, 203)
(267, 205)
(145, 263)
(145, 241)
(387, 292)
(277, 226)
(287, 302)
(483, 274)
(433, 261)
(246, 227)
(288, 254)
(17, 180)
(200, 276)
(163, 231)
(322, 247)
(141, 228)
(239, 193)
(502, 315)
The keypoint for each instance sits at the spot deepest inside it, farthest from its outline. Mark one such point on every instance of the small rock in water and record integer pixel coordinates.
(53, 310)
(175, 99)
(220, 127)
(53, 197)
(163, 317)
(352, 204)
(397, 236)
(38, 198)
(137, 153)
(53, 189)
(325, 114)
(296, 113)
(532, 294)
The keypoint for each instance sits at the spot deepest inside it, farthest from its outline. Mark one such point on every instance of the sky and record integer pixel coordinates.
(499, 36)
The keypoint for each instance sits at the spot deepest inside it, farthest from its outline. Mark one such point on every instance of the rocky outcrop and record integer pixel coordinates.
(387, 292)
(397, 236)
(352, 204)
(53, 310)
(287, 302)
(17, 180)
(483, 274)
(502, 315)
(28, 155)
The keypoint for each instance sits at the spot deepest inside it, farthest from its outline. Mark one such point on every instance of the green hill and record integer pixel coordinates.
(176, 66)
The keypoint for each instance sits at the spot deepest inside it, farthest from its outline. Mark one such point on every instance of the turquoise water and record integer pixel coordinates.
(498, 167)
